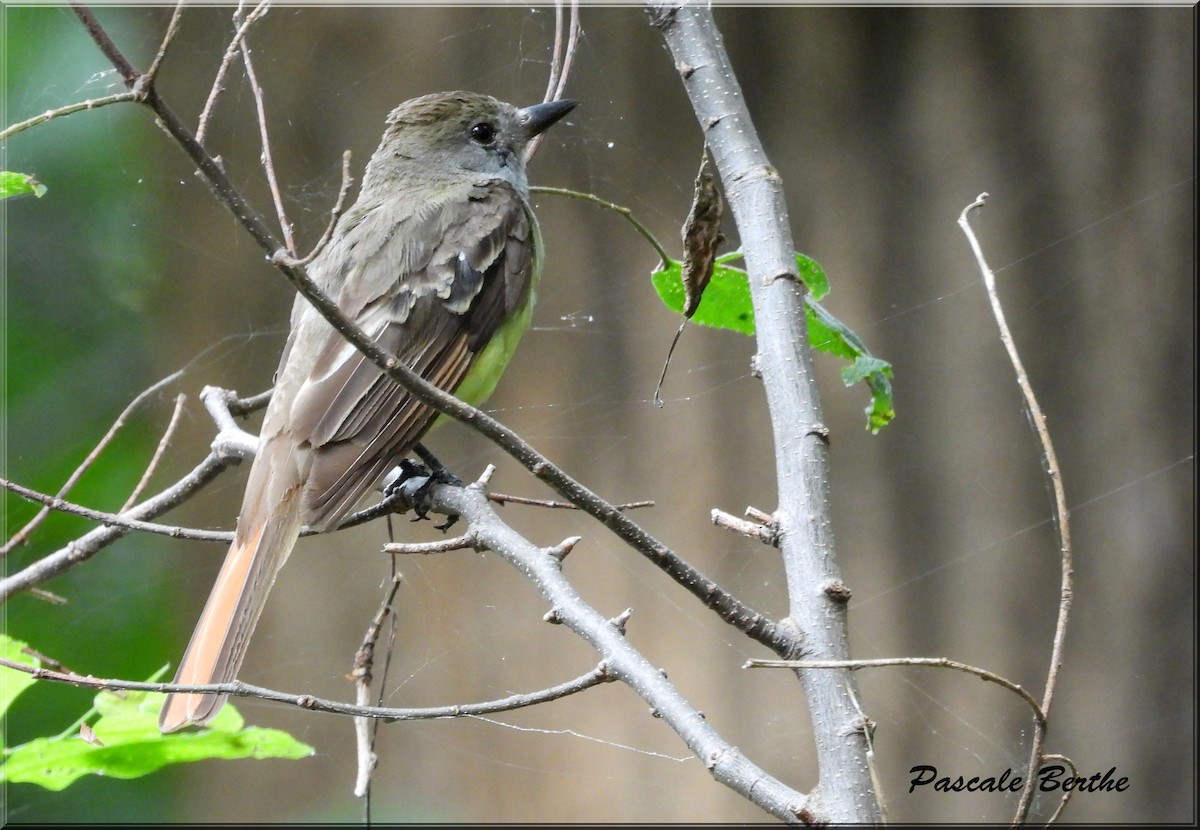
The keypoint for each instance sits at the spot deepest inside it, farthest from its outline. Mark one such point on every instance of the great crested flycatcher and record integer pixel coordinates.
(437, 261)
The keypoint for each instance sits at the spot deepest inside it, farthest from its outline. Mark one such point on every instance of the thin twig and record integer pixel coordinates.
(389, 504)
(765, 530)
(231, 53)
(388, 651)
(268, 163)
(52, 503)
(48, 115)
(231, 440)
(364, 661)
(1066, 796)
(560, 63)
(335, 214)
(939, 662)
(505, 498)
(114, 519)
(467, 541)
(868, 731)
(22, 535)
(615, 208)
(168, 36)
(100, 37)
(247, 406)
(86, 546)
(163, 443)
(555, 52)
(569, 57)
(1061, 512)
(48, 596)
(237, 688)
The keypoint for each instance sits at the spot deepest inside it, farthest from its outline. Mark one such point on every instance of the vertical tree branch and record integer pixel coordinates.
(755, 195)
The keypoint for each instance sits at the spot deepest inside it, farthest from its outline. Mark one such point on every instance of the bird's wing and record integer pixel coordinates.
(431, 286)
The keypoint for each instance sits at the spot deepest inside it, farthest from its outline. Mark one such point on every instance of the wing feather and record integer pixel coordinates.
(434, 305)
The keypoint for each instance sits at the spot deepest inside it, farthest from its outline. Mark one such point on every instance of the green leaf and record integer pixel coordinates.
(830, 334)
(726, 301)
(813, 276)
(877, 375)
(863, 368)
(14, 184)
(826, 332)
(125, 743)
(726, 304)
(13, 681)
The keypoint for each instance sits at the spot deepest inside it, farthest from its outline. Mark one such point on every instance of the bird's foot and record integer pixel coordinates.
(415, 482)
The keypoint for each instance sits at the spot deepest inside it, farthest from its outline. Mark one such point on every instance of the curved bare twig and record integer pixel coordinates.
(1061, 512)
(940, 662)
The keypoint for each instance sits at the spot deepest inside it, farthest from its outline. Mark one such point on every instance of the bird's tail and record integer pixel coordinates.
(267, 531)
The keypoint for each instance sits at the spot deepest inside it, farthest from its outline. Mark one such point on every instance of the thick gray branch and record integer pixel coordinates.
(754, 192)
(543, 568)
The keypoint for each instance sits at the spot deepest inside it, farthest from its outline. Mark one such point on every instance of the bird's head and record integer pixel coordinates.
(467, 131)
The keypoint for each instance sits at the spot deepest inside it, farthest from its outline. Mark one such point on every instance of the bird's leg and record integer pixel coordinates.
(415, 482)
(437, 469)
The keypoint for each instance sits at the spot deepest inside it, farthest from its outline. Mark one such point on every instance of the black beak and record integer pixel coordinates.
(539, 117)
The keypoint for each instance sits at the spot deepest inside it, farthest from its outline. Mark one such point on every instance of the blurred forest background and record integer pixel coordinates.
(884, 124)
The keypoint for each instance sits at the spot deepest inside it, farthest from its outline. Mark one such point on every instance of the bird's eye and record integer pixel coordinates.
(483, 133)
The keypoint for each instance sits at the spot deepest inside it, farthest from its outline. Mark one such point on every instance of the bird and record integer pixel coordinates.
(437, 262)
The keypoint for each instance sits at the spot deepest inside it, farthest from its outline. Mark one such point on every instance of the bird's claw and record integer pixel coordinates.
(415, 482)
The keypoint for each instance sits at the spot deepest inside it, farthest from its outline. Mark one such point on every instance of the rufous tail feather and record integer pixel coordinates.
(265, 536)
